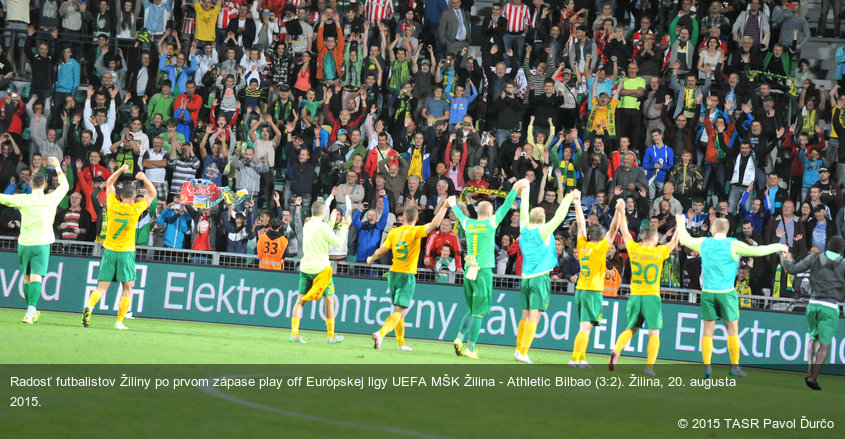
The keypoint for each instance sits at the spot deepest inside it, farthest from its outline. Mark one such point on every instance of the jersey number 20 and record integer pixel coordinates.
(649, 274)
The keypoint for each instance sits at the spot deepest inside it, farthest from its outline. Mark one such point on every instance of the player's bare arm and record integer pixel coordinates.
(54, 163)
(148, 186)
(614, 224)
(673, 243)
(579, 214)
(63, 188)
(525, 190)
(623, 227)
(113, 178)
(435, 223)
(381, 251)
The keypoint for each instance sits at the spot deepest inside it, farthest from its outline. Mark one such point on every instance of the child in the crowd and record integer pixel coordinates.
(445, 266)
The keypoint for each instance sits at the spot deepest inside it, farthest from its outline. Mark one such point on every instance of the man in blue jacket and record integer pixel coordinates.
(178, 73)
(657, 162)
(176, 223)
(369, 231)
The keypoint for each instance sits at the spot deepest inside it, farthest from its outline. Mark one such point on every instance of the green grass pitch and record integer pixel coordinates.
(59, 346)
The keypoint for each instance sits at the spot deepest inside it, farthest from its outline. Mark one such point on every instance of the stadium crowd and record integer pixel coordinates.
(703, 108)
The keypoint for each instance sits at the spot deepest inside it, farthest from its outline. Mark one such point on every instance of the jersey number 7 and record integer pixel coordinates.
(123, 223)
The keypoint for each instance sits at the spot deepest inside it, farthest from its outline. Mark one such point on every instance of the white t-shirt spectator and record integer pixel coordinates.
(299, 45)
(156, 175)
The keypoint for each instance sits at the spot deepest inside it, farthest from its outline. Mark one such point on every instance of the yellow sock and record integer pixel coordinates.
(519, 330)
(400, 331)
(389, 324)
(122, 308)
(528, 336)
(706, 350)
(653, 347)
(95, 297)
(580, 346)
(294, 326)
(584, 353)
(523, 339)
(330, 327)
(623, 340)
(733, 349)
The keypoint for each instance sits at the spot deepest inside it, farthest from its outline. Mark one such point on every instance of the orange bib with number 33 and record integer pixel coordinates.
(271, 251)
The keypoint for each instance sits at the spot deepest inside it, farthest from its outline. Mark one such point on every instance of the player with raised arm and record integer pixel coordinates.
(404, 242)
(539, 258)
(118, 263)
(315, 269)
(480, 260)
(644, 303)
(37, 213)
(592, 253)
(720, 262)
(827, 290)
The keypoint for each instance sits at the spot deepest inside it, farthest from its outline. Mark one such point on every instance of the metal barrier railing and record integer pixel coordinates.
(73, 39)
(353, 269)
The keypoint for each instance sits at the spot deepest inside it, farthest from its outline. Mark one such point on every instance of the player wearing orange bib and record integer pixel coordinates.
(404, 242)
(118, 263)
(644, 304)
(592, 254)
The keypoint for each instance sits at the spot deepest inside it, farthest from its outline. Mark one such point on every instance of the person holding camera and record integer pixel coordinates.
(508, 109)
(125, 152)
(176, 225)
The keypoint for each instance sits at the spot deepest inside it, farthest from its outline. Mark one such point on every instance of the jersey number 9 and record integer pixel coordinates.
(401, 249)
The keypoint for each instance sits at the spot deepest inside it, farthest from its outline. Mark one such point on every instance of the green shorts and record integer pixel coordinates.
(479, 291)
(306, 281)
(402, 286)
(719, 306)
(589, 304)
(644, 308)
(823, 322)
(536, 292)
(34, 258)
(117, 266)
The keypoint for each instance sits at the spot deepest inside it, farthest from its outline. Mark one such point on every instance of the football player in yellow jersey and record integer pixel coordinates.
(592, 254)
(404, 242)
(118, 263)
(644, 303)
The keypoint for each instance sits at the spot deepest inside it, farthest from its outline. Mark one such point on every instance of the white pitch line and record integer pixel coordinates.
(213, 391)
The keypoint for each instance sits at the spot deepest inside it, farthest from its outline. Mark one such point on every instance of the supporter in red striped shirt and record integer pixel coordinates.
(518, 16)
(378, 10)
(228, 12)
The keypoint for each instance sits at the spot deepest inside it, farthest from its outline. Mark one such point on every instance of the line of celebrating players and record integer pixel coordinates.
(720, 256)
